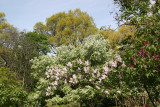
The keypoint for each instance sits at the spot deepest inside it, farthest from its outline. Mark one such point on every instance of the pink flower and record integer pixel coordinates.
(79, 61)
(100, 80)
(145, 63)
(106, 92)
(133, 59)
(119, 92)
(87, 63)
(104, 76)
(65, 81)
(48, 89)
(47, 76)
(55, 83)
(123, 65)
(65, 69)
(86, 69)
(130, 65)
(139, 54)
(55, 88)
(113, 64)
(79, 69)
(106, 69)
(155, 56)
(74, 76)
(47, 94)
(94, 71)
(98, 74)
(97, 87)
(147, 54)
(69, 64)
(52, 84)
(93, 75)
(142, 53)
(118, 58)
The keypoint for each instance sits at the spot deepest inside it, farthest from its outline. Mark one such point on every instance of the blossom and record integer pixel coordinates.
(133, 59)
(86, 69)
(139, 54)
(97, 87)
(79, 69)
(98, 74)
(87, 63)
(52, 84)
(118, 58)
(130, 65)
(147, 54)
(145, 63)
(55, 83)
(47, 76)
(142, 53)
(104, 76)
(65, 81)
(155, 56)
(106, 92)
(69, 64)
(65, 69)
(106, 69)
(79, 61)
(113, 64)
(94, 71)
(47, 94)
(93, 75)
(100, 80)
(119, 92)
(48, 89)
(74, 76)
(123, 65)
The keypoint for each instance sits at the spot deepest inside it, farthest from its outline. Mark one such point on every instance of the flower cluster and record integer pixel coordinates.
(80, 73)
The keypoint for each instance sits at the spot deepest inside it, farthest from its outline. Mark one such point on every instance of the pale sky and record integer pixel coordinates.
(23, 14)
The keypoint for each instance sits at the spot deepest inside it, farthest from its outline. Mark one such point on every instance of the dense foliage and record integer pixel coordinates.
(111, 68)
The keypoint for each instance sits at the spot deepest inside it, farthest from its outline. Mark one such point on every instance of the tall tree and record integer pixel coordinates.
(67, 28)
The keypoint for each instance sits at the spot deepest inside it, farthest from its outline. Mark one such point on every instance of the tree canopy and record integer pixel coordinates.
(67, 28)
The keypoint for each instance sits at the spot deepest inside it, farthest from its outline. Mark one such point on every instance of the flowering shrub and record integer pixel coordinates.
(143, 73)
(78, 70)
(81, 79)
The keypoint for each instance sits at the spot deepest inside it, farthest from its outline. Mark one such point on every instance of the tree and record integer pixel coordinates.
(116, 37)
(67, 28)
(11, 94)
(143, 56)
